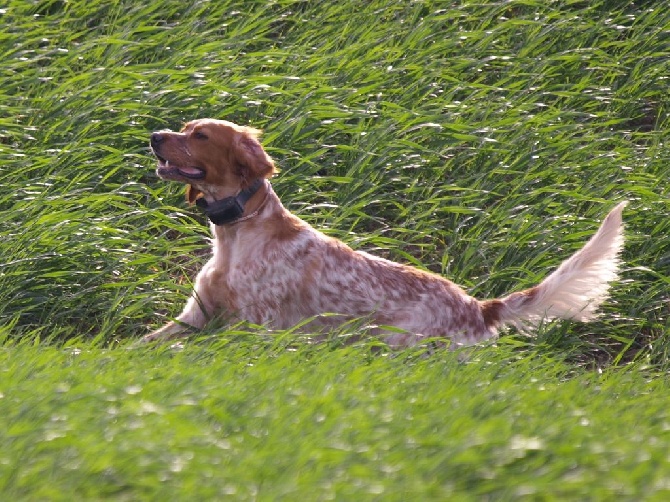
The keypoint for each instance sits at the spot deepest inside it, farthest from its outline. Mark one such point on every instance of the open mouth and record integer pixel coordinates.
(168, 170)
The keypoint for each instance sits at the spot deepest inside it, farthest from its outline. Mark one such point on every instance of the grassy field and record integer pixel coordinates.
(481, 140)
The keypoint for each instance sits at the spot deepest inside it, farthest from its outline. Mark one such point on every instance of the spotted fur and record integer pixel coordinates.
(274, 269)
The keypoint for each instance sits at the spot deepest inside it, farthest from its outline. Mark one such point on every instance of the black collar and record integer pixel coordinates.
(230, 209)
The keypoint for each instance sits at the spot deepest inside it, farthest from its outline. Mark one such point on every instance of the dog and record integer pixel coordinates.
(271, 268)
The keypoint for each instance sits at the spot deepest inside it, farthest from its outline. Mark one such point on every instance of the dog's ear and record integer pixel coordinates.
(192, 193)
(251, 157)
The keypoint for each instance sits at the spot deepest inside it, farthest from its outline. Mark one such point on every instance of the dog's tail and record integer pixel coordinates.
(574, 290)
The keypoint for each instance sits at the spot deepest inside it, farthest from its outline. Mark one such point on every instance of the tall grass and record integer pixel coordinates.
(480, 140)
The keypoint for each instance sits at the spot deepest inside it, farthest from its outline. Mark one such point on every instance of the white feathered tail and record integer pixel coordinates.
(575, 289)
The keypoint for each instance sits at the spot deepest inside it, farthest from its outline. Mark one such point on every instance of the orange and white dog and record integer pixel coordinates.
(271, 268)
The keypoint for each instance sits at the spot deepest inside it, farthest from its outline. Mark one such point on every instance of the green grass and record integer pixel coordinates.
(257, 421)
(483, 141)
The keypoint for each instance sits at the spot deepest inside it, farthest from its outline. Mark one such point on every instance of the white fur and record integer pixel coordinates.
(579, 285)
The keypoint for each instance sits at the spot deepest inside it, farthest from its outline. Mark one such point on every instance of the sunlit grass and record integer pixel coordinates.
(246, 417)
(482, 141)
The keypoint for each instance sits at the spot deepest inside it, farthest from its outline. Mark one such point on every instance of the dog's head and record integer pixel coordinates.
(211, 156)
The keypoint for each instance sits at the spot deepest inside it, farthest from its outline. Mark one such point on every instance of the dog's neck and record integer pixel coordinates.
(230, 210)
(267, 219)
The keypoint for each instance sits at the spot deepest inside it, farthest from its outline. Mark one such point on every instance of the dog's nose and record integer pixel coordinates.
(157, 138)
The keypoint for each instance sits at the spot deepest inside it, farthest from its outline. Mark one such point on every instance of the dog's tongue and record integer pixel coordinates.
(191, 171)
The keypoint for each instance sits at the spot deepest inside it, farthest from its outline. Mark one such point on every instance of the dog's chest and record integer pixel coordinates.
(259, 280)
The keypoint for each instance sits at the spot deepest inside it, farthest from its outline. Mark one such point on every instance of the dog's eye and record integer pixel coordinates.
(199, 135)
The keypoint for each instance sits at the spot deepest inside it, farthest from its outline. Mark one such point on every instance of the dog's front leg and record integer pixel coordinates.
(193, 317)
